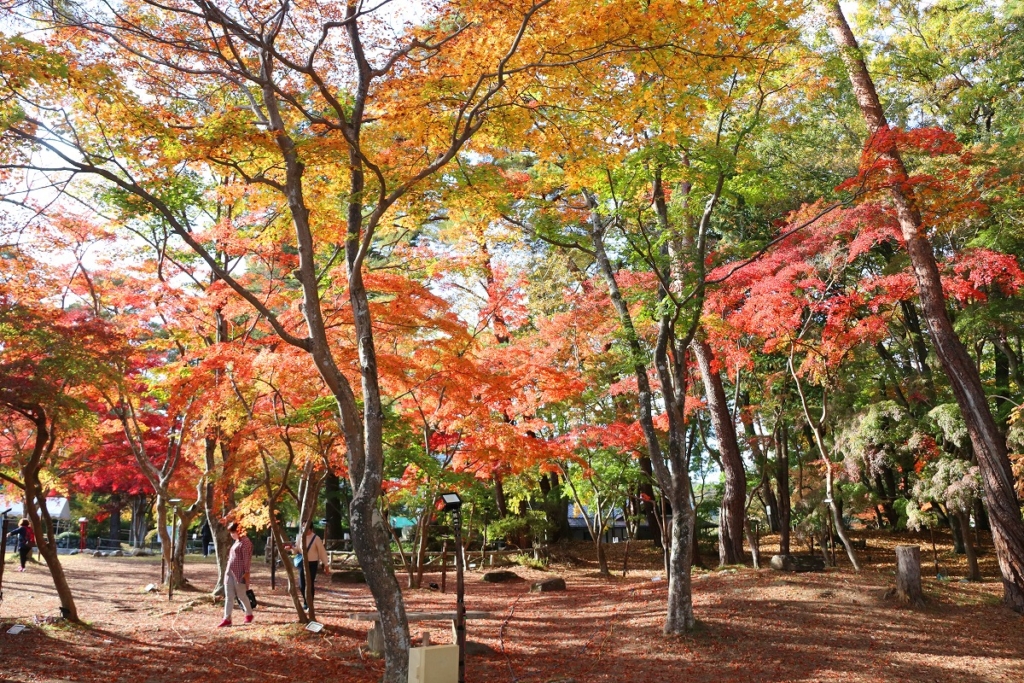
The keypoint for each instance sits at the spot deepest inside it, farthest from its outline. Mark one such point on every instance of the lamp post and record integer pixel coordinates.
(453, 504)
(174, 532)
(82, 523)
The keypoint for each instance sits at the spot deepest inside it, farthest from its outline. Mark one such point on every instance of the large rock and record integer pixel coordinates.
(548, 585)
(347, 576)
(797, 563)
(500, 576)
(475, 649)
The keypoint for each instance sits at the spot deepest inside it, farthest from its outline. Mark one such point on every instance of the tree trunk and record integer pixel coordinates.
(730, 527)
(602, 556)
(973, 573)
(818, 439)
(221, 536)
(675, 480)
(680, 593)
(115, 523)
(752, 541)
(957, 533)
(42, 527)
(140, 511)
(646, 495)
(782, 482)
(499, 497)
(908, 575)
(989, 445)
(761, 459)
(334, 532)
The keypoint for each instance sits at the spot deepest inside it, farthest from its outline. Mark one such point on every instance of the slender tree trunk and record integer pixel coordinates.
(989, 445)
(760, 456)
(674, 481)
(333, 510)
(973, 573)
(602, 556)
(499, 497)
(221, 535)
(646, 496)
(42, 527)
(782, 482)
(680, 592)
(730, 528)
(115, 523)
(139, 504)
(815, 428)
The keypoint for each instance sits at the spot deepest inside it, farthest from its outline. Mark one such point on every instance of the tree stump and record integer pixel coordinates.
(908, 575)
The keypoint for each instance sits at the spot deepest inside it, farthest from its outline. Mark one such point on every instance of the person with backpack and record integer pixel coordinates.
(312, 548)
(26, 541)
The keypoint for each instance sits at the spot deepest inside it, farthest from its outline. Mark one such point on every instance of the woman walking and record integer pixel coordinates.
(236, 577)
(315, 553)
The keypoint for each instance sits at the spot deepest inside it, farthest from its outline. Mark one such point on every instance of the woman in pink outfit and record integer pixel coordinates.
(236, 577)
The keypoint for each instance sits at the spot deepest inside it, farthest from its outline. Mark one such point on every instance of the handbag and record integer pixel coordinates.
(297, 560)
(251, 596)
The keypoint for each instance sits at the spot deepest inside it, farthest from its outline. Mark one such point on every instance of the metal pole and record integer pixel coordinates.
(170, 570)
(273, 560)
(444, 566)
(460, 599)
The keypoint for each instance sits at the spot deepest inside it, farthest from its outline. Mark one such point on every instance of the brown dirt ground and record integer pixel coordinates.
(754, 626)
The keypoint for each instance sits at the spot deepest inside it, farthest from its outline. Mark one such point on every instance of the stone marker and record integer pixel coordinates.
(500, 576)
(548, 585)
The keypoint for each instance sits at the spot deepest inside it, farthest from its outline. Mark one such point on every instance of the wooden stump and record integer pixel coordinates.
(908, 575)
(375, 638)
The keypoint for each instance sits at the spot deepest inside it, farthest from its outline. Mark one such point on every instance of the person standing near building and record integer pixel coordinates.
(26, 541)
(236, 577)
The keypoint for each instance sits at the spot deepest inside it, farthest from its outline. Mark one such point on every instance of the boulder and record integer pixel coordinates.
(347, 576)
(117, 553)
(475, 649)
(797, 563)
(548, 585)
(500, 576)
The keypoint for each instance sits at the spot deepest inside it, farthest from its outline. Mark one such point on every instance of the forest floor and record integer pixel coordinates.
(753, 625)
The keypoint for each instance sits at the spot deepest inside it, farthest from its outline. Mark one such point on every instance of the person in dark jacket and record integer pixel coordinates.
(26, 541)
(206, 536)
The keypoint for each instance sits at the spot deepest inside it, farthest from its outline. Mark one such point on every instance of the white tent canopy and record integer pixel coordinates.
(58, 507)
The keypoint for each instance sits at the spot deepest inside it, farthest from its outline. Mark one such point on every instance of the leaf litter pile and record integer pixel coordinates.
(754, 626)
